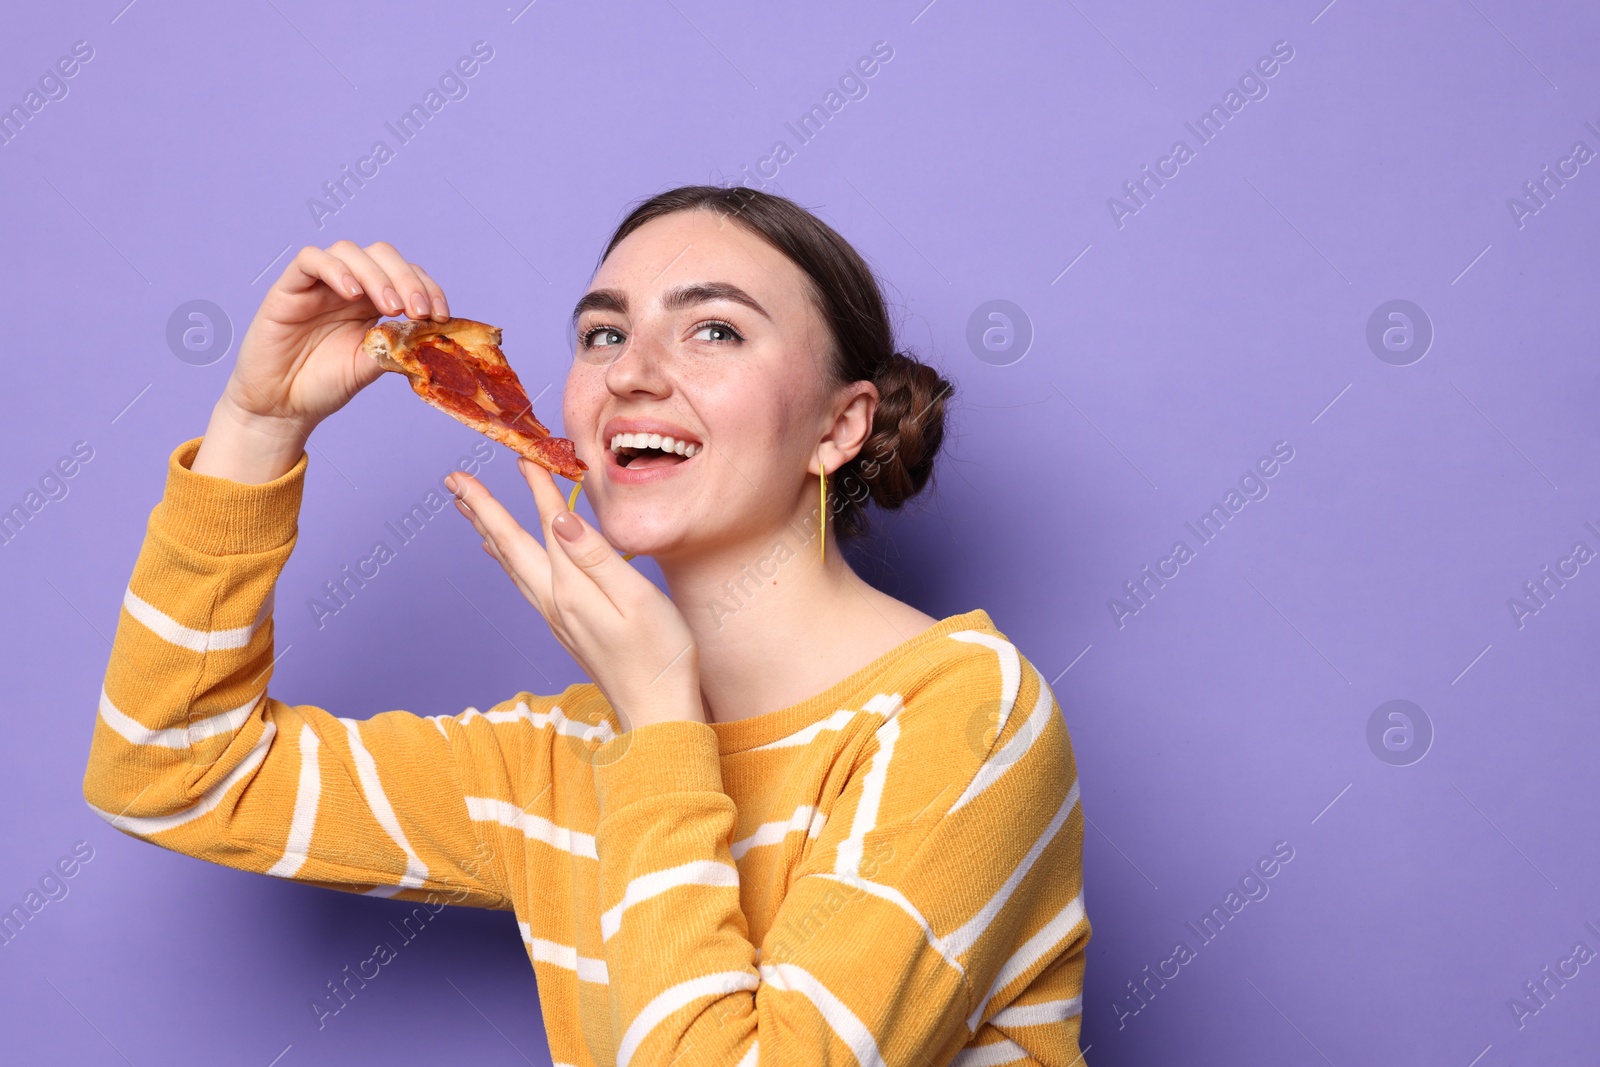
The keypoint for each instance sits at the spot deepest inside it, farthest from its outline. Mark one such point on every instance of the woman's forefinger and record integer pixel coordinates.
(552, 505)
(521, 551)
(546, 497)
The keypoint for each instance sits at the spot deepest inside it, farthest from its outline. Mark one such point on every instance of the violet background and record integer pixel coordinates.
(1228, 314)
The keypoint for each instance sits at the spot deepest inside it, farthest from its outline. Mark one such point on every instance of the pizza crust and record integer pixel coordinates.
(391, 343)
(392, 346)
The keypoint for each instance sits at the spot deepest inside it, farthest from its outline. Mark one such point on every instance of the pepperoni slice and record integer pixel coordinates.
(448, 371)
(466, 385)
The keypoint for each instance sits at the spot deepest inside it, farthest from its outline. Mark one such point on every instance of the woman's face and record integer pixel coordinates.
(696, 329)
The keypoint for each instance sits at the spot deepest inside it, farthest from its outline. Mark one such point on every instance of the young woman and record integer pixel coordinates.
(790, 820)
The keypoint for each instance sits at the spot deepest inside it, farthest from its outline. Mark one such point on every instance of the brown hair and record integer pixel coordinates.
(896, 460)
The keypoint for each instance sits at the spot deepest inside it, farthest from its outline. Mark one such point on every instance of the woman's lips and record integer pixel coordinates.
(645, 468)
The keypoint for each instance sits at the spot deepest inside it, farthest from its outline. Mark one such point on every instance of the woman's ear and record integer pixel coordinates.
(854, 408)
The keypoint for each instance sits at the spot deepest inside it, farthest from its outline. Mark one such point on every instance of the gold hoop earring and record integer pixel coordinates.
(822, 521)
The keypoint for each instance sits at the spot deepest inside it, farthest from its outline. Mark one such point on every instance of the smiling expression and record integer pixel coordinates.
(698, 336)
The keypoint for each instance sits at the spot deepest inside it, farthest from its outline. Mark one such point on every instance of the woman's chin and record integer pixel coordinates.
(639, 535)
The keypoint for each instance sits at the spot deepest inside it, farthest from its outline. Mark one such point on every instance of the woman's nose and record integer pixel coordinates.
(639, 367)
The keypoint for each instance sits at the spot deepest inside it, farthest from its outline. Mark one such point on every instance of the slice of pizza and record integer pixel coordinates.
(457, 367)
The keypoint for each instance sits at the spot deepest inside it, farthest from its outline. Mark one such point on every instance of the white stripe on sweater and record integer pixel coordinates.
(378, 801)
(1010, 670)
(991, 1055)
(899, 900)
(642, 888)
(848, 861)
(155, 824)
(170, 629)
(175, 736)
(887, 705)
(554, 718)
(675, 997)
(851, 1030)
(587, 968)
(771, 833)
(1040, 1014)
(1031, 952)
(536, 827)
(306, 799)
(969, 933)
(1001, 761)
(383, 891)
(836, 721)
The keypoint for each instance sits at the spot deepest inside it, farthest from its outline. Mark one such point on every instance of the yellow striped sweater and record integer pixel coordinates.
(887, 873)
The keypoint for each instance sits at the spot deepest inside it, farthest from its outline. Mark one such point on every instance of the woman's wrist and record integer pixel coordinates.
(666, 701)
(247, 448)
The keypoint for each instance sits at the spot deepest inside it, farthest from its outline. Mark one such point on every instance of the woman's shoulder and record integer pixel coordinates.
(967, 719)
(965, 650)
(967, 679)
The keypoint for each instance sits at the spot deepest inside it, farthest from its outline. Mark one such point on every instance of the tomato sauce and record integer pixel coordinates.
(461, 382)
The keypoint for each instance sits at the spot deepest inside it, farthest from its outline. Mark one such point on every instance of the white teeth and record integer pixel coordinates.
(653, 440)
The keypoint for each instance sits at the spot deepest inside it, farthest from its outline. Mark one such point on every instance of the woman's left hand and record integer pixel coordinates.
(624, 632)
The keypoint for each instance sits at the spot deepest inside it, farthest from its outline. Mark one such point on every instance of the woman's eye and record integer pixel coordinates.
(728, 333)
(613, 334)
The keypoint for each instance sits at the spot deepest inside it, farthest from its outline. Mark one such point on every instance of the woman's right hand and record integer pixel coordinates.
(300, 360)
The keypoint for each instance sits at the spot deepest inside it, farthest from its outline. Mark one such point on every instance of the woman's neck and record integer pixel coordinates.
(774, 624)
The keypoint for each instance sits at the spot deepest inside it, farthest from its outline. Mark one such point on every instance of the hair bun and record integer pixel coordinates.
(907, 430)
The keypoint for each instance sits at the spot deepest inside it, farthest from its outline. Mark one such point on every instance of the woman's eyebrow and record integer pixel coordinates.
(616, 301)
(613, 300)
(701, 292)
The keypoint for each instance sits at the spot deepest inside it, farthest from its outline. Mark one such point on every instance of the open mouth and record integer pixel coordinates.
(643, 451)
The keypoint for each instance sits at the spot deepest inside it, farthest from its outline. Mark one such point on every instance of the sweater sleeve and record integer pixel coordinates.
(191, 753)
(940, 906)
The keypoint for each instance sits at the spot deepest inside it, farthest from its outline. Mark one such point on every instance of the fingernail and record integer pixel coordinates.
(391, 301)
(419, 305)
(568, 525)
(439, 309)
(352, 286)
